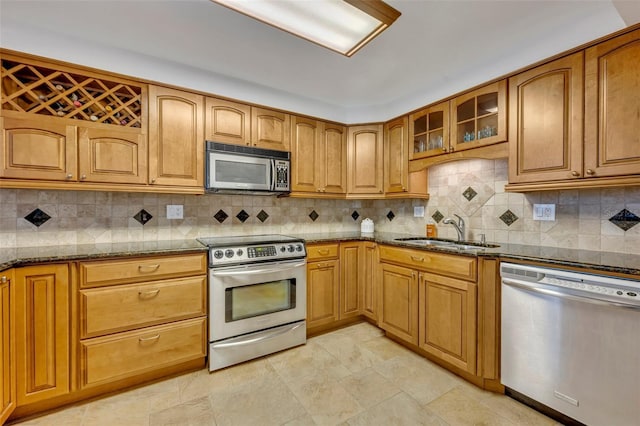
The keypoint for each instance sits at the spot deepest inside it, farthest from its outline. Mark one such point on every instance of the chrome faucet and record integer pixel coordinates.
(458, 225)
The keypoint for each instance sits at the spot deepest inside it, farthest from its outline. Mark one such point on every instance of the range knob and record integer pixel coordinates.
(218, 254)
(290, 248)
(299, 247)
(283, 249)
(239, 252)
(228, 253)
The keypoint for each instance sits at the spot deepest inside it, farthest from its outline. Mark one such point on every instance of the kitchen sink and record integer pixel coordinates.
(459, 245)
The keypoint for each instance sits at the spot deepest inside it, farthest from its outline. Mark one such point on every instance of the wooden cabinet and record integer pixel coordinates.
(141, 315)
(370, 288)
(270, 129)
(227, 121)
(323, 285)
(396, 155)
(7, 348)
(447, 313)
(546, 117)
(42, 332)
(399, 301)
(429, 131)
(318, 157)
(612, 105)
(176, 138)
(365, 145)
(351, 279)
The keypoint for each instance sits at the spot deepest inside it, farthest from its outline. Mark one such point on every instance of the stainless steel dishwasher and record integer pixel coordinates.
(571, 342)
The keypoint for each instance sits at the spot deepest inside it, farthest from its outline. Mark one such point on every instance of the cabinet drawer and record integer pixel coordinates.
(117, 308)
(322, 251)
(110, 272)
(116, 357)
(444, 264)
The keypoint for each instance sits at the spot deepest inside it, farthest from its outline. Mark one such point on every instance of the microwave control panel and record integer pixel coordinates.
(281, 180)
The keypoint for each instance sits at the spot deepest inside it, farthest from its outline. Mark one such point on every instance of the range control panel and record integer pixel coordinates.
(256, 253)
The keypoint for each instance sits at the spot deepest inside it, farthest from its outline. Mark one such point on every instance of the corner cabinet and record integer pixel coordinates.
(398, 181)
(7, 348)
(176, 138)
(365, 155)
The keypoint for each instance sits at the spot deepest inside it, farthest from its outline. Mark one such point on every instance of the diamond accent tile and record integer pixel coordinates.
(220, 216)
(313, 215)
(143, 216)
(37, 217)
(262, 216)
(469, 193)
(390, 215)
(437, 216)
(508, 217)
(242, 216)
(355, 215)
(624, 219)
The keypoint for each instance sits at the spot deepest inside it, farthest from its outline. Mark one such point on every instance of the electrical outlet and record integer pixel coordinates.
(175, 211)
(544, 212)
(418, 211)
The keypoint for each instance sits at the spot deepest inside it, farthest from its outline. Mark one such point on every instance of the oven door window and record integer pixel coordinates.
(259, 299)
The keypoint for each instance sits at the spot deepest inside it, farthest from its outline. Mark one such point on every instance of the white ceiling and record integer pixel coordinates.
(436, 48)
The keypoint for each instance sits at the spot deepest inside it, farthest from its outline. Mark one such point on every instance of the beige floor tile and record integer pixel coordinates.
(361, 332)
(398, 410)
(201, 383)
(349, 352)
(264, 401)
(384, 348)
(197, 412)
(305, 420)
(325, 399)
(71, 416)
(368, 387)
(457, 408)
(307, 360)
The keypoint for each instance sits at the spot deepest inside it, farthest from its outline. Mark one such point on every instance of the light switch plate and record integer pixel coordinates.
(175, 211)
(418, 211)
(544, 212)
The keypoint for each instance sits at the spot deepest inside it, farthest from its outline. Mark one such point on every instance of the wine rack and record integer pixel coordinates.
(39, 89)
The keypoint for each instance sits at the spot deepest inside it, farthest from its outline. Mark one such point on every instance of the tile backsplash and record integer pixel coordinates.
(473, 189)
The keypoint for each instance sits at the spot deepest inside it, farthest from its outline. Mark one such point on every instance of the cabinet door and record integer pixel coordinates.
(448, 320)
(270, 129)
(323, 289)
(176, 138)
(7, 368)
(364, 157)
(429, 131)
(612, 107)
(42, 332)
(112, 155)
(333, 150)
(351, 280)
(545, 122)
(396, 152)
(227, 122)
(306, 155)
(38, 148)
(399, 302)
(479, 117)
(370, 281)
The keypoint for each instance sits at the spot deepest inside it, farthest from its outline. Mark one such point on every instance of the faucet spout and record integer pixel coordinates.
(459, 225)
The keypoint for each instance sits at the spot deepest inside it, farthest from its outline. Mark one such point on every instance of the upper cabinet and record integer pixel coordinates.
(227, 121)
(429, 130)
(364, 158)
(548, 147)
(176, 138)
(318, 157)
(270, 129)
(398, 182)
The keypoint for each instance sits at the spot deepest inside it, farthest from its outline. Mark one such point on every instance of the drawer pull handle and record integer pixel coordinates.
(323, 251)
(417, 259)
(148, 339)
(145, 269)
(148, 294)
(323, 266)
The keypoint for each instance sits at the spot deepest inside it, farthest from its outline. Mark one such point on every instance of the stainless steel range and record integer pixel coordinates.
(257, 296)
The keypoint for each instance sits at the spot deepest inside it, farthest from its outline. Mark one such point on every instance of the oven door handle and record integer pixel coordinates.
(245, 271)
(257, 339)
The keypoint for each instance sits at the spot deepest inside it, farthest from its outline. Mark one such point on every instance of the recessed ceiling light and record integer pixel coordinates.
(343, 26)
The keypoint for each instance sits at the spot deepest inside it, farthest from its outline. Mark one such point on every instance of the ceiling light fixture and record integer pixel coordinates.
(344, 26)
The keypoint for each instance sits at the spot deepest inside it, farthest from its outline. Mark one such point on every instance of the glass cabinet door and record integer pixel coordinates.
(429, 131)
(479, 117)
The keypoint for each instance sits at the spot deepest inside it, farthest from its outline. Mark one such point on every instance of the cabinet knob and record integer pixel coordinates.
(404, 189)
(574, 173)
(445, 149)
(591, 172)
(451, 149)
(153, 180)
(3, 279)
(69, 176)
(83, 177)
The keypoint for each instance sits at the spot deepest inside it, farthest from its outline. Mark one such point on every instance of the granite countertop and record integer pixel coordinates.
(603, 261)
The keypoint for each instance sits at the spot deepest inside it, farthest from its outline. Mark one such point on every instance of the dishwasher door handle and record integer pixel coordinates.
(531, 287)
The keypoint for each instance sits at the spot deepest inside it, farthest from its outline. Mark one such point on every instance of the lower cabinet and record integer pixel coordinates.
(399, 302)
(370, 293)
(323, 285)
(7, 348)
(42, 296)
(350, 280)
(447, 314)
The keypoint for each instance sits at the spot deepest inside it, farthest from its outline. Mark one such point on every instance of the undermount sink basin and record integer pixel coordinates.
(460, 245)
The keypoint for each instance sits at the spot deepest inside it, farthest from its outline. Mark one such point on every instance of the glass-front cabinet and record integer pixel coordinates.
(429, 131)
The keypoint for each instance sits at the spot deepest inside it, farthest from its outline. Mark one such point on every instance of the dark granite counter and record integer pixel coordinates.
(559, 257)
(30, 255)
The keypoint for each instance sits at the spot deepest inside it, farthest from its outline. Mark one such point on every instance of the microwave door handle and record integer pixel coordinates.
(273, 175)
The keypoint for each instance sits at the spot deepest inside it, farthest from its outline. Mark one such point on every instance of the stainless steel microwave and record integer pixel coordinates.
(245, 169)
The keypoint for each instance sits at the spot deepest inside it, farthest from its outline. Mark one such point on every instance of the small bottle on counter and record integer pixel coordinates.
(432, 230)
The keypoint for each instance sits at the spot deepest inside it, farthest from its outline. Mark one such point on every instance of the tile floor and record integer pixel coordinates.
(353, 376)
